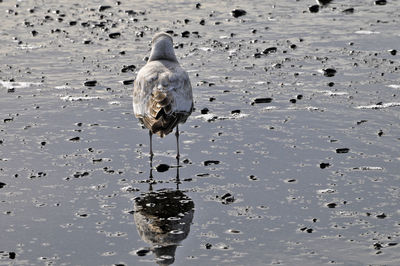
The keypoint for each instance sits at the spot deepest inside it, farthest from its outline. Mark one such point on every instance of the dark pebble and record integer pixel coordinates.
(43, 143)
(34, 33)
(329, 72)
(299, 97)
(204, 111)
(87, 42)
(202, 22)
(380, 133)
(131, 12)
(393, 52)
(381, 216)
(102, 8)
(348, 11)
(185, 34)
(235, 111)
(262, 100)
(211, 99)
(198, 5)
(380, 2)
(114, 35)
(2, 184)
(292, 100)
(208, 246)
(11, 90)
(142, 252)
(80, 174)
(72, 23)
(129, 81)
(228, 198)
(377, 246)
(331, 84)
(309, 230)
(257, 55)
(314, 8)
(238, 13)
(90, 83)
(270, 50)
(128, 68)
(324, 165)
(11, 255)
(162, 167)
(342, 150)
(209, 162)
(391, 244)
(331, 205)
(74, 139)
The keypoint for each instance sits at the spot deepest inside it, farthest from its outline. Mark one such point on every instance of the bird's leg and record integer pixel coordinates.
(177, 142)
(151, 145)
(177, 180)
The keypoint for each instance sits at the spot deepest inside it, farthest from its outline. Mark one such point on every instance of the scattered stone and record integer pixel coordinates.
(208, 246)
(210, 162)
(329, 72)
(2, 184)
(324, 165)
(102, 8)
(331, 205)
(393, 52)
(130, 68)
(270, 50)
(11, 255)
(34, 33)
(262, 100)
(299, 97)
(348, 10)
(238, 13)
(293, 100)
(204, 111)
(162, 168)
(75, 139)
(202, 22)
(80, 174)
(331, 84)
(342, 150)
(314, 8)
(128, 82)
(185, 34)
(198, 5)
(227, 198)
(380, 133)
(11, 90)
(114, 35)
(72, 23)
(381, 216)
(142, 252)
(235, 111)
(380, 2)
(90, 83)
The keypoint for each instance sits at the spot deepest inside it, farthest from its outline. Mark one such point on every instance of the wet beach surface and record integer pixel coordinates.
(291, 156)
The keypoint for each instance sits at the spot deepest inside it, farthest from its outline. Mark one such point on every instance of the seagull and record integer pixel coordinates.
(162, 92)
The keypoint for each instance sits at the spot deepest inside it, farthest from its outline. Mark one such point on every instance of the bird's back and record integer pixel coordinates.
(162, 96)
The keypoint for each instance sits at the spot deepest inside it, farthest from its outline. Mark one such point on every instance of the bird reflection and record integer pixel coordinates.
(163, 219)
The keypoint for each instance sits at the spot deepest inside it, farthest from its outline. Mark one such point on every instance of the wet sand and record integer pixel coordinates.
(290, 157)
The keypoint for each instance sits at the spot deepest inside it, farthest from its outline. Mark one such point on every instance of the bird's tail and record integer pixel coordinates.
(161, 119)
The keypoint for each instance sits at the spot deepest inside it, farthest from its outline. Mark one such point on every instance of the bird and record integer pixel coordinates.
(162, 92)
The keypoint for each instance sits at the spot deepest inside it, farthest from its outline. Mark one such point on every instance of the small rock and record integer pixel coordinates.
(235, 111)
(238, 13)
(262, 100)
(299, 97)
(329, 72)
(314, 8)
(331, 205)
(72, 23)
(292, 100)
(102, 8)
(202, 22)
(208, 245)
(204, 111)
(142, 252)
(162, 167)
(11, 255)
(324, 165)
(381, 216)
(348, 11)
(210, 162)
(393, 52)
(128, 68)
(74, 139)
(114, 35)
(270, 50)
(185, 34)
(380, 133)
(380, 2)
(129, 81)
(34, 33)
(2, 184)
(342, 150)
(90, 83)
(198, 5)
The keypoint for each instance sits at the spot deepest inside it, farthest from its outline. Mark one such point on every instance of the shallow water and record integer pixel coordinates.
(310, 177)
